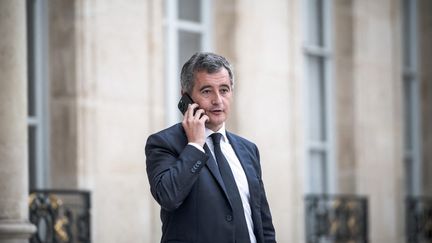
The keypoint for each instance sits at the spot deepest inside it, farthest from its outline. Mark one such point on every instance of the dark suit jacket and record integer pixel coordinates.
(187, 185)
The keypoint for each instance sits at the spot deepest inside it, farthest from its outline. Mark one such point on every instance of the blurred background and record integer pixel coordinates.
(337, 94)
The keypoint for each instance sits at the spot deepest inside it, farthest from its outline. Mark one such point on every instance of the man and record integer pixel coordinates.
(206, 179)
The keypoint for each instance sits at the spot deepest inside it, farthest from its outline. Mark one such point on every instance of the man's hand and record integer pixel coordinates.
(194, 125)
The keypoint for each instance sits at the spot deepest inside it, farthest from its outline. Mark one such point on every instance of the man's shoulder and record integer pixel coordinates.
(173, 130)
(173, 133)
(245, 146)
(239, 139)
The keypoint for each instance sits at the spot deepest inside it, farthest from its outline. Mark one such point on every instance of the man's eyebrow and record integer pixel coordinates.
(205, 87)
(209, 86)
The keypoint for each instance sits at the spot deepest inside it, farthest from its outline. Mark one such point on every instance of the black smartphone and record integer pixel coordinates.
(184, 102)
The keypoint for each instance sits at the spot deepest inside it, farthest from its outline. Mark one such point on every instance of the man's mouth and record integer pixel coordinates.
(216, 111)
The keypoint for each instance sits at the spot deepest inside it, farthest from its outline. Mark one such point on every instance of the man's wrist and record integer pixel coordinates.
(196, 145)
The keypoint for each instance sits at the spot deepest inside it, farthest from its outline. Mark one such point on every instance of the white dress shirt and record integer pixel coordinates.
(238, 173)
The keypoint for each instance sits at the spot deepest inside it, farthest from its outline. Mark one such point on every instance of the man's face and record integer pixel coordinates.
(213, 93)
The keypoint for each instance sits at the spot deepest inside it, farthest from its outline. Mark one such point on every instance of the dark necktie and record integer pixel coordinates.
(241, 231)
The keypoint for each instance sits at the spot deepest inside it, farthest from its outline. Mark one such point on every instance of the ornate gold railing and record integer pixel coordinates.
(336, 218)
(61, 216)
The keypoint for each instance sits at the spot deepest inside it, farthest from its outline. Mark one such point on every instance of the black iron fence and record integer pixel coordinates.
(61, 216)
(336, 219)
(418, 219)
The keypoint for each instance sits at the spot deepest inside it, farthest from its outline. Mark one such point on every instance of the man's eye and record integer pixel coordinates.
(224, 91)
(205, 91)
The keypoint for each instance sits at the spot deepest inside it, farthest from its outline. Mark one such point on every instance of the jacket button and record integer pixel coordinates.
(229, 218)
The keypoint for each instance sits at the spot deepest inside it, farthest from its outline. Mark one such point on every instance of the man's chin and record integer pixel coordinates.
(212, 125)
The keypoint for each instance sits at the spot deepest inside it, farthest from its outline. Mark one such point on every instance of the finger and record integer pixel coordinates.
(205, 118)
(193, 106)
(189, 110)
(199, 113)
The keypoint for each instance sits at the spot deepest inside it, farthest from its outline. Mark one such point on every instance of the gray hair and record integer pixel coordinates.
(203, 61)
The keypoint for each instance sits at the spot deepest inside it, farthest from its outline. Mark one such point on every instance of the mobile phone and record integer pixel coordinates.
(184, 102)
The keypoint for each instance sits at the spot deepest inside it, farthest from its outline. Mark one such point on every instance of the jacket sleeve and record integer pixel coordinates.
(172, 173)
(267, 223)
(268, 229)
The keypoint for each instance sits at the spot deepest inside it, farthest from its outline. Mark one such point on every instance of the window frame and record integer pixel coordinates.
(411, 102)
(326, 146)
(172, 73)
(38, 94)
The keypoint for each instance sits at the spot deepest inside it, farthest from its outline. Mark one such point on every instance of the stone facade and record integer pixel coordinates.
(377, 112)
(14, 225)
(106, 69)
(425, 30)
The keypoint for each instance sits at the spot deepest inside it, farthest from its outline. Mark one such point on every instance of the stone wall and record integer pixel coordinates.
(425, 30)
(106, 76)
(107, 96)
(14, 224)
(378, 115)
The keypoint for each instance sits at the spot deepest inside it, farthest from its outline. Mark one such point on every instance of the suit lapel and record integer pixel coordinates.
(212, 166)
(247, 164)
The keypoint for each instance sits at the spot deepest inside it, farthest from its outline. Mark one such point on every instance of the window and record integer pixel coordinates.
(411, 99)
(319, 105)
(188, 30)
(38, 139)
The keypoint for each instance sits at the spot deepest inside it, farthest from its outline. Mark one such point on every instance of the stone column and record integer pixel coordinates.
(344, 90)
(266, 83)
(14, 225)
(378, 115)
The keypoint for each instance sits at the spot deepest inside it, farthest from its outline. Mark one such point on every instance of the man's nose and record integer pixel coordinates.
(217, 99)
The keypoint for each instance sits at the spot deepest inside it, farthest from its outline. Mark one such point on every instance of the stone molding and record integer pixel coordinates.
(14, 229)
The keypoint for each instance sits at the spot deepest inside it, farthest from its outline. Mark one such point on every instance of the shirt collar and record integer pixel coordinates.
(222, 131)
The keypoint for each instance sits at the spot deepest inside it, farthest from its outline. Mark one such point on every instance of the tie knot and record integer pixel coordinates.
(216, 137)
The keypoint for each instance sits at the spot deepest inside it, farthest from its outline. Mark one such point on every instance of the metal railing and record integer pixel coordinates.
(61, 216)
(418, 219)
(336, 219)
